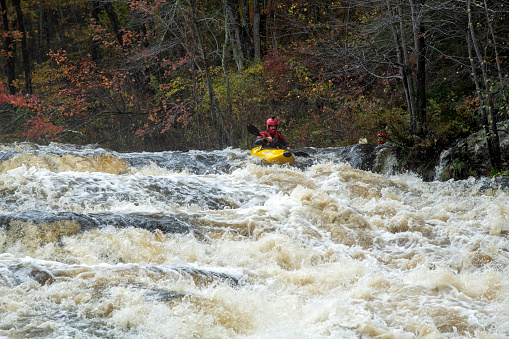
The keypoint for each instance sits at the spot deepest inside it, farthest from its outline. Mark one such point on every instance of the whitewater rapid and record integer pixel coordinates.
(100, 244)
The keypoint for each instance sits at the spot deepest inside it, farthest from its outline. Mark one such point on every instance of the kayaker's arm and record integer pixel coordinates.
(278, 144)
(284, 145)
(260, 141)
(263, 139)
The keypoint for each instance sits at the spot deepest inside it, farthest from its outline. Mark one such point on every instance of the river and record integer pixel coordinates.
(100, 244)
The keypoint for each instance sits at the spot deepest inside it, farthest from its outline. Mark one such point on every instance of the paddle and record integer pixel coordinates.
(254, 131)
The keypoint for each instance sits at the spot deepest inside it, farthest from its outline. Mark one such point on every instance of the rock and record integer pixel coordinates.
(469, 157)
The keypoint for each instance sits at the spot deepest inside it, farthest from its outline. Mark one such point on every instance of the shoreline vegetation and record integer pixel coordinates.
(153, 75)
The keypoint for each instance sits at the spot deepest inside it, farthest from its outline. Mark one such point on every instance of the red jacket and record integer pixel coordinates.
(278, 139)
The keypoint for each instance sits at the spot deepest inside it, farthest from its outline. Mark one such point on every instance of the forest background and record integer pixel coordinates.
(152, 75)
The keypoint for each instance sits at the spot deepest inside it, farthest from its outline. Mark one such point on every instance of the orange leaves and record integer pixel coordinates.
(87, 87)
(37, 127)
(19, 100)
(40, 127)
(59, 56)
(164, 117)
(15, 35)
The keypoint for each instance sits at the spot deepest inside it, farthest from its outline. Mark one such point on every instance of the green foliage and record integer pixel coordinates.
(247, 101)
(460, 169)
(450, 119)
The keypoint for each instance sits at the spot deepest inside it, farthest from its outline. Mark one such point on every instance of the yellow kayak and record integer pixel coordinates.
(273, 155)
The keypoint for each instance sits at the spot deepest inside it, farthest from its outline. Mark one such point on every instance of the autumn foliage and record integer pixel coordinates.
(154, 75)
(39, 127)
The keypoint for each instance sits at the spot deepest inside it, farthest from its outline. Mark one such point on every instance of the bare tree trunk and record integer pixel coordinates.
(203, 138)
(271, 25)
(497, 57)
(485, 99)
(24, 45)
(407, 74)
(41, 29)
(420, 46)
(114, 22)
(94, 46)
(235, 26)
(216, 114)
(10, 50)
(403, 60)
(256, 31)
(246, 28)
(225, 71)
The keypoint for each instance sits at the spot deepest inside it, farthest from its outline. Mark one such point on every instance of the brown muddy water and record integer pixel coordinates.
(99, 244)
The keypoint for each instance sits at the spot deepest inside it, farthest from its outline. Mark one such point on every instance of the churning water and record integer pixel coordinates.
(98, 244)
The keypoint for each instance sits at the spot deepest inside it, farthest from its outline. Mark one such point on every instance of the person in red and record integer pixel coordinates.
(272, 138)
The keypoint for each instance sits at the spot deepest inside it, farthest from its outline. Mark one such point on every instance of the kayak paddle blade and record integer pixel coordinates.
(301, 154)
(253, 130)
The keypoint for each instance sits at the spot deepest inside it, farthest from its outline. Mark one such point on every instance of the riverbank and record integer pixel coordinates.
(467, 157)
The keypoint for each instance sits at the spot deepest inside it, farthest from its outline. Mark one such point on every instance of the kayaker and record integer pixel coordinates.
(380, 138)
(272, 138)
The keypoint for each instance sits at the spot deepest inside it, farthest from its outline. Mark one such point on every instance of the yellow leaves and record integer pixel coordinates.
(254, 70)
(176, 86)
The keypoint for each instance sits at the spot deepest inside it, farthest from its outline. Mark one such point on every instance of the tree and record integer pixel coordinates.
(483, 84)
(419, 34)
(115, 23)
(215, 111)
(238, 34)
(256, 31)
(24, 45)
(9, 49)
(180, 74)
(400, 20)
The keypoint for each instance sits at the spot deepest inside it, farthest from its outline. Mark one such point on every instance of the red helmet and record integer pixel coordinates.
(271, 121)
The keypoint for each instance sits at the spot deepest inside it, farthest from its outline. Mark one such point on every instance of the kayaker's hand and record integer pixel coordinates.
(288, 148)
(269, 139)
